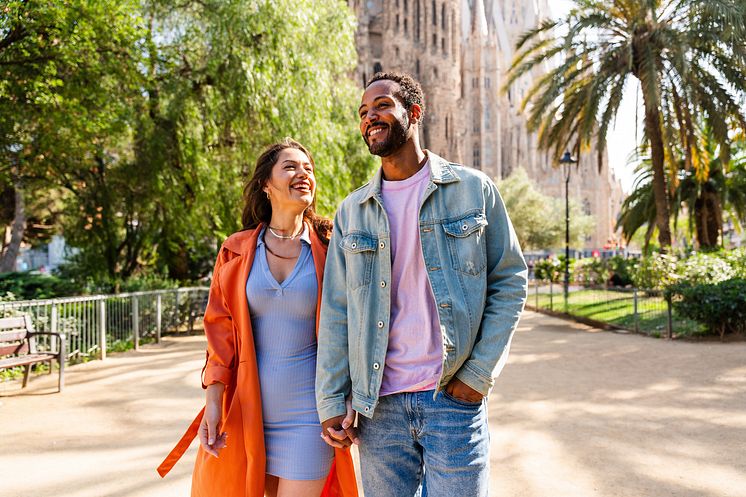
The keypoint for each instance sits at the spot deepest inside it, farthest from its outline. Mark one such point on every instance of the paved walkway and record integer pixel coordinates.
(577, 413)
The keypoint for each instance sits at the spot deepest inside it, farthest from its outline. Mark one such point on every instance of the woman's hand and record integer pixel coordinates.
(208, 428)
(340, 432)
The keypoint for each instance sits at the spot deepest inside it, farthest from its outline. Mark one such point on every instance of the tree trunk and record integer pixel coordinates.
(660, 189)
(18, 228)
(707, 218)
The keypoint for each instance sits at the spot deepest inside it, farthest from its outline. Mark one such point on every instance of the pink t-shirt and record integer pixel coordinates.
(415, 351)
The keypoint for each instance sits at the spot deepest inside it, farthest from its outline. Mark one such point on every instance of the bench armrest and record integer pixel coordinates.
(60, 337)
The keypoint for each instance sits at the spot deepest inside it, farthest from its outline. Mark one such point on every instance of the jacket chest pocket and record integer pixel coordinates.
(465, 237)
(359, 250)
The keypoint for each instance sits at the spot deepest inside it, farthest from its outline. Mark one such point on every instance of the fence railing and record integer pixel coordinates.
(642, 311)
(94, 325)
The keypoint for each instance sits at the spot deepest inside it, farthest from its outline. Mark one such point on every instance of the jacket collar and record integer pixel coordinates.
(441, 173)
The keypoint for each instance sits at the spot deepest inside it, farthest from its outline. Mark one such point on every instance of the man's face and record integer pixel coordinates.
(384, 121)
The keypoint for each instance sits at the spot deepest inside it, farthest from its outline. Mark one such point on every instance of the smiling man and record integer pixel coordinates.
(423, 288)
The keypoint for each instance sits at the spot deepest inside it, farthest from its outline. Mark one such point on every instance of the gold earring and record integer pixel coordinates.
(267, 192)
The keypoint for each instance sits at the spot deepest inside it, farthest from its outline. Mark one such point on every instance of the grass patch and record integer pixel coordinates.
(618, 308)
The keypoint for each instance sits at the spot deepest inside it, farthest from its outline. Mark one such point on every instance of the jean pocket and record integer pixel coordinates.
(465, 237)
(461, 402)
(359, 249)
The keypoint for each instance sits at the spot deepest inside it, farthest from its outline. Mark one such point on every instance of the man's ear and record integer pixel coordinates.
(415, 113)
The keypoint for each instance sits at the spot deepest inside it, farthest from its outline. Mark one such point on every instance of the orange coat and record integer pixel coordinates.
(231, 359)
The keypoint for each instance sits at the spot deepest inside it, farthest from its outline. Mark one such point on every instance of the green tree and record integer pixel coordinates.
(687, 55)
(539, 220)
(705, 200)
(63, 73)
(220, 80)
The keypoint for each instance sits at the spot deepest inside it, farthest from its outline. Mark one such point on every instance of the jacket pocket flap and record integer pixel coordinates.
(357, 242)
(466, 225)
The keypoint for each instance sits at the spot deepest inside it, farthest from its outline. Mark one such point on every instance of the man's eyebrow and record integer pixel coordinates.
(376, 100)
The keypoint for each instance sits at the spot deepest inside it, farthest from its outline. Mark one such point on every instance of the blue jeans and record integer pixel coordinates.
(416, 444)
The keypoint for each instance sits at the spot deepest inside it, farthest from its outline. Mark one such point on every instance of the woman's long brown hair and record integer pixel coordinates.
(257, 208)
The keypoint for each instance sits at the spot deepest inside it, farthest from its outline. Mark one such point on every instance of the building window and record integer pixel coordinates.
(435, 72)
(475, 128)
(475, 157)
(446, 127)
(435, 41)
(487, 82)
(397, 22)
(443, 16)
(435, 14)
(417, 68)
(406, 27)
(417, 21)
(377, 67)
(406, 6)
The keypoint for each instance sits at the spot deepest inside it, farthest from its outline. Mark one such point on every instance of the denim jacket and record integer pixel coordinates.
(475, 268)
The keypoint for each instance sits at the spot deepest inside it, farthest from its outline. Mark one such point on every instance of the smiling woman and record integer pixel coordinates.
(260, 324)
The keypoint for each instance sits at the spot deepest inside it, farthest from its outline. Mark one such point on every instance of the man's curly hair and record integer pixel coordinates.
(410, 91)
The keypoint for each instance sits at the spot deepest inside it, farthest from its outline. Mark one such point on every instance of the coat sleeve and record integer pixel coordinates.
(506, 295)
(218, 324)
(332, 362)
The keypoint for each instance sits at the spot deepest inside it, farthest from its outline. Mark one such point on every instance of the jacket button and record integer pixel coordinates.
(381, 245)
(465, 227)
(353, 245)
(380, 324)
(376, 366)
(367, 409)
(383, 284)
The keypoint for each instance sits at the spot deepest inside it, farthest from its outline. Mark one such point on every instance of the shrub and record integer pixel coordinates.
(656, 272)
(591, 271)
(31, 285)
(622, 270)
(720, 306)
(552, 269)
(705, 268)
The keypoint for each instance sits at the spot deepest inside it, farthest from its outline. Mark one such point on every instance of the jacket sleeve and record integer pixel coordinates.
(505, 296)
(332, 363)
(218, 325)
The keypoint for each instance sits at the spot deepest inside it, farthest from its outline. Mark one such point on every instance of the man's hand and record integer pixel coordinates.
(339, 431)
(461, 391)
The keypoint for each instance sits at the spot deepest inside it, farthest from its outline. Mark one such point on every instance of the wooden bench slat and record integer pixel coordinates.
(13, 322)
(26, 359)
(12, 336)
(15, 349)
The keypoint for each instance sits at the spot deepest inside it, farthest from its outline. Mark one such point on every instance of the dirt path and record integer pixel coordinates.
(576, 413)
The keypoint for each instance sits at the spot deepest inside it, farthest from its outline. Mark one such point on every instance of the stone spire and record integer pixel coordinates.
(479, 18)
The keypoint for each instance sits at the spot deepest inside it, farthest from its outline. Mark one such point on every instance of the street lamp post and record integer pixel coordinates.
(567, 161)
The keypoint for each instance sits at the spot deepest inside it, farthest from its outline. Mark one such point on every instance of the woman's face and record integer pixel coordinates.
(292, 184)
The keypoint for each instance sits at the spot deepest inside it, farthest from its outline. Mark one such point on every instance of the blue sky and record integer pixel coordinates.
(621, 138)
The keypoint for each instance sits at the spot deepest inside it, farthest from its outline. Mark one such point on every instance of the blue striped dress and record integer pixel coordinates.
(283, 318)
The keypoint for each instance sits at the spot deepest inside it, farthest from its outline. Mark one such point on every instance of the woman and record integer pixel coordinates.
(259, 430)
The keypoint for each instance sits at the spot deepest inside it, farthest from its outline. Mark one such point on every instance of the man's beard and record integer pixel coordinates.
(397, 136)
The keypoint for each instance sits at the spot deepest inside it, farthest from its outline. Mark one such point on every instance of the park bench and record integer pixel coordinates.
(18, 347)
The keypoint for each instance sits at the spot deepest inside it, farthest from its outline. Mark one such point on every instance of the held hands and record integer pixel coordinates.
(460, 390)
(209, 439)
(339, 431)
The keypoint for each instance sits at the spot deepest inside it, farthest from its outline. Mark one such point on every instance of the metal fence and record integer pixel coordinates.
(96, 324)
(642, 311)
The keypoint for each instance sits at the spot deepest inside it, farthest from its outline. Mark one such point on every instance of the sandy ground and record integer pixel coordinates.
(576, 413)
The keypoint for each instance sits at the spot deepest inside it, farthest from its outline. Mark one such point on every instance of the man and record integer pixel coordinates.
(423, 288)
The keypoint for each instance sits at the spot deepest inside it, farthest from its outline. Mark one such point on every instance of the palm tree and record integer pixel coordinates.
(688, 56)
(718, 192)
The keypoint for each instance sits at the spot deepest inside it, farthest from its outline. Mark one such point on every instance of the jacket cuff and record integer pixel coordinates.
(475, 378)
(215, 373)
(331, 408)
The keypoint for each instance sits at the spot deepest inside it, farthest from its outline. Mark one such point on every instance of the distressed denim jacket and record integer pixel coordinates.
(475, 268)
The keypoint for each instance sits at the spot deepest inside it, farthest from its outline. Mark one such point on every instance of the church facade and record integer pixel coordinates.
(460, 51)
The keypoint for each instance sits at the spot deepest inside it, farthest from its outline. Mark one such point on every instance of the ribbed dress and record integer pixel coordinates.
(283, 318)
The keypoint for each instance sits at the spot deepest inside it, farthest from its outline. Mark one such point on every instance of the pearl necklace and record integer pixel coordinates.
(284, 237)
